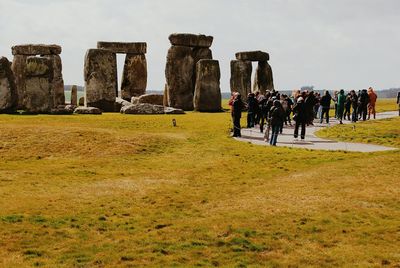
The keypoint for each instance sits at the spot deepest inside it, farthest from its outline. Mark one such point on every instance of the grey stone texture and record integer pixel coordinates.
(156, 99)
(190, 40)
(263, 79)
(240, 80)
(8, 91)
(36, 49)
(100, 75)
(124, 47)
(74, 95)
(252, 56)
(207, 96)
(134, 77)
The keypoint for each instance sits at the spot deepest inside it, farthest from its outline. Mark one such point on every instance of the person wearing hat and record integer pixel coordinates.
(300, 117)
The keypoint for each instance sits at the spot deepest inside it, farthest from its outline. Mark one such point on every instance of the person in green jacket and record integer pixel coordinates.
(341, 99)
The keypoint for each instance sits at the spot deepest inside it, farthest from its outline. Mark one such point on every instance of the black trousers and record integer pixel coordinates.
(325, 111)
(236, 126)
(303, 129)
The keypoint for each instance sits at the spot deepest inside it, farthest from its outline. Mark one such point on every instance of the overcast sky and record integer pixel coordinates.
(349, 44)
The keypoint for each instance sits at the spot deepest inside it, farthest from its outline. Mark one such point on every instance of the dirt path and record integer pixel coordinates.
(311, 141)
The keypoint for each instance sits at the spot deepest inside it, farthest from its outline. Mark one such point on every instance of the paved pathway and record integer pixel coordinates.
(311, 141)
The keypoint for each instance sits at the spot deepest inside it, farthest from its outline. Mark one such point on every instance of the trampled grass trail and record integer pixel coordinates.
(119, 191)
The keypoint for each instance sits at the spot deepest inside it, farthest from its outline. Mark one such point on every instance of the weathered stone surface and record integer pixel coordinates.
(62, 111)
(87, 110)
(74, 95)
(134, 77)
(179, 74)
(8, 91)
(241, 77)
(152, 99)
(263, 79)
(81, 101)
(199, 53)
(71, 108)
(100, 74)
(207, 94)
(36, 49)
(57, 85)
(119, 103)
(143, 108)
(165, 95)
(147, 108)
(252, 56)
(39, 76)
(190, 40)
(124, 47)
(170, 110)
(18, 68)
(135, 100)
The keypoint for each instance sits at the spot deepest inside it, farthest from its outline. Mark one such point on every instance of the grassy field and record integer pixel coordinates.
(123, 191)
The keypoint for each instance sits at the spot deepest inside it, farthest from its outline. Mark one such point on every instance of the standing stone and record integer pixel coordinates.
(81, 101)
(8, 91)
(57, 86)
(74, 95)
(207, 96)
(179, 74)
(199, 53)
(134, 77)
(263, 79)
(241, 77)
(165, 96)
(39, 76)
(18, 68)
(100, 75)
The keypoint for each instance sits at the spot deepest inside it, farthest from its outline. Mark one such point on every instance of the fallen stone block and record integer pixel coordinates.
(156, 99)
(87, 110)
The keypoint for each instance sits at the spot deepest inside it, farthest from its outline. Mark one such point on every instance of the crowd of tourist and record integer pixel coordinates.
(276, 110)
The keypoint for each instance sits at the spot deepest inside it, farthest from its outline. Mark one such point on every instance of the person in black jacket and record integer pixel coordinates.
(325, 103)
(300, 116)
(354, 105)
(277, 116)
(398, 101)
(237, 107)
(347, 106)
(251, 111)
(364, 100)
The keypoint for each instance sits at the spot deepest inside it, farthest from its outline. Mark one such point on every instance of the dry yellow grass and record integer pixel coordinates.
(120, 191)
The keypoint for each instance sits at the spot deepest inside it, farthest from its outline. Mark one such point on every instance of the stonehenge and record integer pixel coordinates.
(207, 93)
(100, 75)
(37, 70)
(185, 52)
(8, 92)
(74, 95)
(241, 69)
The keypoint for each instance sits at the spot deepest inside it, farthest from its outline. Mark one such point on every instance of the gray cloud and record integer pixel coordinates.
(329, 44)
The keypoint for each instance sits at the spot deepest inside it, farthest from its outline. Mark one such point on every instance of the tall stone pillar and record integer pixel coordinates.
(207, 96)
(263, 80)
(57, 87)
(134, 76)
(8, 91)
(241, 77)
(74, 95)
(100, 75)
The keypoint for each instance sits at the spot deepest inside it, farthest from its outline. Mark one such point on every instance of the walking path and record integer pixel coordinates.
(311, 141)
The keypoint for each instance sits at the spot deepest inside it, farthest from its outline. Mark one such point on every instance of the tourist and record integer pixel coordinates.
(347, 107)
(317, 105)
(237, 107)
(257, 112)
(251, 110)
(287, 107)
(354, 105)
(372, 101)
(340, 105)
(309, 101)
(364, 100)
(326, 105)
(335, 98)
(264, 107)
(398, 101)
(299, 116)
(277, 115)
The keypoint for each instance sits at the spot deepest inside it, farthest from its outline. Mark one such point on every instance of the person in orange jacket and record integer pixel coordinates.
(372, 101)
